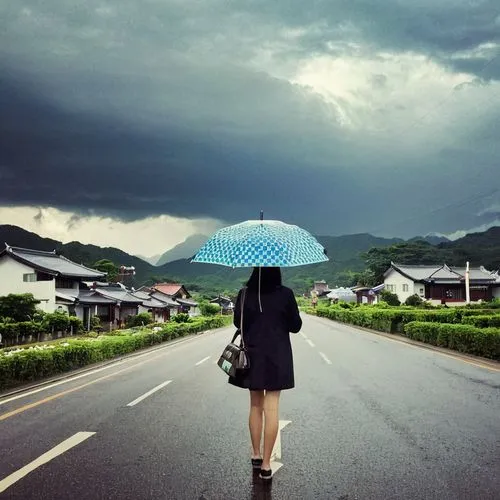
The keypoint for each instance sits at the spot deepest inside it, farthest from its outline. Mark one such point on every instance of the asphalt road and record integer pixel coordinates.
(370, 418)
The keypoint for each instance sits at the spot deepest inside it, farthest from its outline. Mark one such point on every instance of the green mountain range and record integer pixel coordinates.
(349, 255)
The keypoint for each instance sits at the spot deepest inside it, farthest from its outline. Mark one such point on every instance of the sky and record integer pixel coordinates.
(139, 123)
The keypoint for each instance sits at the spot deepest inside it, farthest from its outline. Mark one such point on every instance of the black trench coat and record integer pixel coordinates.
(267, 339)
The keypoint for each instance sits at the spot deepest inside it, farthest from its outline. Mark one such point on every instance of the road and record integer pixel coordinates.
(370, 418)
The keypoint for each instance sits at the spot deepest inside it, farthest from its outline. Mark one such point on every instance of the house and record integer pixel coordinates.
(367, 294)
(441, 283)
(225, 303)
(52, 279)
(180, 295)
(320, 288)
(159, 307)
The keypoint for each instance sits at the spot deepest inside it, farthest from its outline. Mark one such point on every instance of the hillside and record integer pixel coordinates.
(347, 254)
(183, 250)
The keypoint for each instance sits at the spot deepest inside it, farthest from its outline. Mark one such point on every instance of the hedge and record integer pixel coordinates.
(34, 363)
(463, 338)
(482, 320)
(390, 320)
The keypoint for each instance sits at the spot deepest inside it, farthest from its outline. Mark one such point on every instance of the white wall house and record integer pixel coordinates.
(402, 285)
(441, 283)
(51, 278)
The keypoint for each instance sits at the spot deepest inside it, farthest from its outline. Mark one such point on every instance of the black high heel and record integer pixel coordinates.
(256, 463)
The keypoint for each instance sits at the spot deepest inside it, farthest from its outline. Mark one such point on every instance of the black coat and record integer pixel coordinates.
(267, 338)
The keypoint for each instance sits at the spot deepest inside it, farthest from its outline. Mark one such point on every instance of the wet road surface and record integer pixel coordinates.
(370, 418)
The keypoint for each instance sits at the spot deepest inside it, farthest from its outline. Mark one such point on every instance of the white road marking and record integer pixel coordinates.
(310, 342)
(303, 335)
(66, 445)
(97, 370)
(328, 362)
(152, 391)
(202, 361)
(276, 454)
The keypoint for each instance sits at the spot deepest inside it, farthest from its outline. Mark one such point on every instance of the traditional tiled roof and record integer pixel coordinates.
(442, 273)
(187, 302)
(94, 298)
(169, 301)
(148, 301)
(168, 288)
(51, 263)
(118, 295)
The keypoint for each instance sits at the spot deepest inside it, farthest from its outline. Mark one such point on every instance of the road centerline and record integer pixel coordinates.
(325, 357)
(310, 342)
(61, 448)
(149, 393)
(202, 361)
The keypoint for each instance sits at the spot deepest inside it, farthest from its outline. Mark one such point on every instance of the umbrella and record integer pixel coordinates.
(261, 243)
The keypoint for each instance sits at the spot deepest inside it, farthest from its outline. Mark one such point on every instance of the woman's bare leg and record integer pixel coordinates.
(271, 415)
(255, 421)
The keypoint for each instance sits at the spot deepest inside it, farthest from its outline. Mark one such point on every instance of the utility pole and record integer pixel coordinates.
(467, 284)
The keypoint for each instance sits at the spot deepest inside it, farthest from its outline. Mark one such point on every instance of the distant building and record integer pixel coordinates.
(441, 283)
(320, 288)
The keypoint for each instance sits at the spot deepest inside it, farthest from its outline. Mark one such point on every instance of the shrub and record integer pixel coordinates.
(18, 307)
(76, 324)
(141, 319)
(37, 362)
(208, 309)
(56, 322)
(181, 318)
(464, 338)
(95, 322)
(390, 298)
(414, 300)
(482, 320)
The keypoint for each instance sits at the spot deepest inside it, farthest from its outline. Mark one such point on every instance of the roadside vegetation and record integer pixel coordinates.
(473, 329)
(27, 363)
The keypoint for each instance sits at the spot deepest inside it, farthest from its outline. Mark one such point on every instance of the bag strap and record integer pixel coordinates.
(240, 331)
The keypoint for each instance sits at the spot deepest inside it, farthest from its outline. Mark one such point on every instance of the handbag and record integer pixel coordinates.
(234, 359)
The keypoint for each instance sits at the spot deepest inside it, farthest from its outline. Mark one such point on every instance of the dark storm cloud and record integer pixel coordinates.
(136, 108)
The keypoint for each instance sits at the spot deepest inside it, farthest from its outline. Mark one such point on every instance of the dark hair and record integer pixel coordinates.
(270, 278)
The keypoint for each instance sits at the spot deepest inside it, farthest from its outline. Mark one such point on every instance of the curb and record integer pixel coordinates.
(88, 368)
(486, 362)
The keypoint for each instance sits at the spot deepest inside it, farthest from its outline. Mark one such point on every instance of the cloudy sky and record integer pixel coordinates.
(137, 123)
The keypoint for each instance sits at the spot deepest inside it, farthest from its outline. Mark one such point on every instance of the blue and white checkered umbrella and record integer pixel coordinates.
(261, 243)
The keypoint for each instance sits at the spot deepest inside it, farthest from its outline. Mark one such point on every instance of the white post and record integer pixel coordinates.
(467, 284)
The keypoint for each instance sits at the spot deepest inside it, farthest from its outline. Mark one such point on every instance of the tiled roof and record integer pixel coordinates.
(168, 288)
(165, 299)
(118, 295)
(51, 263)
(148, 301)
(187, 302)
(443, 273)
(94, 298)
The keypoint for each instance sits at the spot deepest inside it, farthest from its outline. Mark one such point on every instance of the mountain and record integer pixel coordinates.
(433, 239)
(76, 251)
(345, 253)
(150, 260)
(183, 250)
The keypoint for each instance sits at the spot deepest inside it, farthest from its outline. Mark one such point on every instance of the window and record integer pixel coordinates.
(64, 283)
(421, 292)
(405, 288)
(29, 277)
(391, 288)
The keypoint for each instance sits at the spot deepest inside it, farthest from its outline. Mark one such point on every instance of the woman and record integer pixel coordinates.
(270, 313)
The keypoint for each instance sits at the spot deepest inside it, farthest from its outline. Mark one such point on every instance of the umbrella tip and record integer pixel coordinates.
(262, 215)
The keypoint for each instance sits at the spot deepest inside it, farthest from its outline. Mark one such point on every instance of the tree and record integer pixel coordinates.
(390, 298)
(108, 267)
(414, 300)
(18, 307)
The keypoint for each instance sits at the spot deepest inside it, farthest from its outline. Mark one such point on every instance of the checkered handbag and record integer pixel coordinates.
(234, 359)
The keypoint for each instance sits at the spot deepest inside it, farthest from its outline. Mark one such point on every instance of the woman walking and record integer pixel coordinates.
(270, 313)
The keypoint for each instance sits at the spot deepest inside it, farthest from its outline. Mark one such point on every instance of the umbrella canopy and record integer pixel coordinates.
(261, 243)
